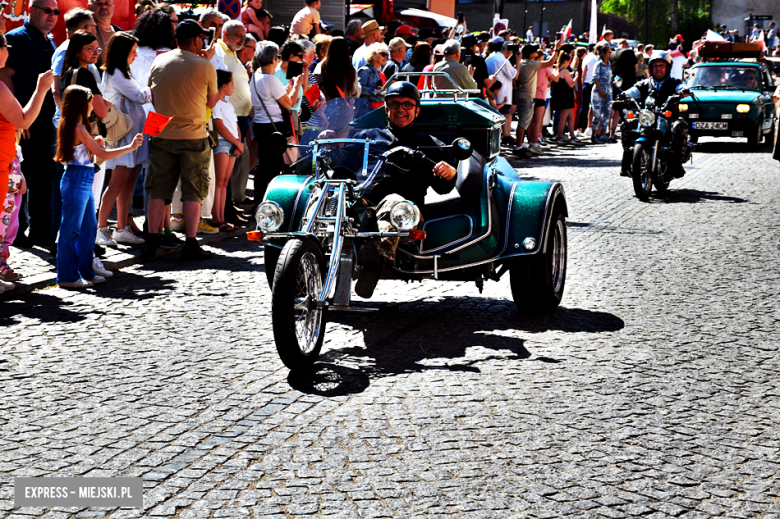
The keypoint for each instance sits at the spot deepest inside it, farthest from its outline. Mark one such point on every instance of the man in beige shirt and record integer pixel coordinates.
(103, 12)
(184, 85)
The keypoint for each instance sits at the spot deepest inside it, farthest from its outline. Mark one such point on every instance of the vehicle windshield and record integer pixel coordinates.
(348, 137)
(728, 77)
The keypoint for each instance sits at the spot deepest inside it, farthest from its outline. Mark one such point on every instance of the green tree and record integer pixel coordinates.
(665, 18)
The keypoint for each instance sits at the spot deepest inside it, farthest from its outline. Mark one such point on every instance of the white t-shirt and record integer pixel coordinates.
(225, 111)
(304, 21)
(269, 88)
(677, 66)
(590, 62)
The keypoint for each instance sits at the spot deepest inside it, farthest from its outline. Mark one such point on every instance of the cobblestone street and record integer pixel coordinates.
(653, 391)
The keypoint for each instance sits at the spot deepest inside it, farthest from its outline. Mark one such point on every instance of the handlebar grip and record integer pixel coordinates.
(423, 159)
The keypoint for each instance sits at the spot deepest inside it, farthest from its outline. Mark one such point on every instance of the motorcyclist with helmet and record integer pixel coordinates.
(404, 180)
(660, 86)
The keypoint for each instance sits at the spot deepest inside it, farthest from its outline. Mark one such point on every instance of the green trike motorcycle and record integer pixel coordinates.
(314, 218)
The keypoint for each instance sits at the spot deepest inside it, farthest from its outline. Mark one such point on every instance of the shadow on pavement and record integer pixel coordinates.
(125, 285)
(45, 307)
(435, 335)
(693, 196)
(728, 146)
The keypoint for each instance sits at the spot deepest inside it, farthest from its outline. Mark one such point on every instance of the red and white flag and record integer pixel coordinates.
(567, 31)
(713, 36)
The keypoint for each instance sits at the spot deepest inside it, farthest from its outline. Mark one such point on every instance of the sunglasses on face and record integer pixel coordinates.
(48, 10)
(383, 54)
(406, 105)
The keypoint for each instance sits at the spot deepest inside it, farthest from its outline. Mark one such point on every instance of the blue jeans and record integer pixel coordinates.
(79, 225)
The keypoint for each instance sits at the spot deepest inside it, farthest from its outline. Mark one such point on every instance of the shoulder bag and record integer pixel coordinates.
(291, 155)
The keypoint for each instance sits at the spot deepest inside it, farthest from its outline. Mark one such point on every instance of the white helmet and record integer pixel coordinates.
(661, 55)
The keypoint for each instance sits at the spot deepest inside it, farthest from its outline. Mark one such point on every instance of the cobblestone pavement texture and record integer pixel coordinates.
(653, 391)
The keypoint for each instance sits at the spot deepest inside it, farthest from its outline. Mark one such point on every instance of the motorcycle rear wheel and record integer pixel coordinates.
(660, 181)
(641, 171)
(298, 322)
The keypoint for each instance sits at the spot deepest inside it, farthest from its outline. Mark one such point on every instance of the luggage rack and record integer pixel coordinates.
(727, 51)
(432, 92)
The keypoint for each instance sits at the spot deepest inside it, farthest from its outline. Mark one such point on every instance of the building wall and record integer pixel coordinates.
(732, 13)
(556, 16)
(331, 11)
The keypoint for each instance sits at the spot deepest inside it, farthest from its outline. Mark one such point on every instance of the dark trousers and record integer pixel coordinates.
(582, 117)
(269, 164)
(39, 171)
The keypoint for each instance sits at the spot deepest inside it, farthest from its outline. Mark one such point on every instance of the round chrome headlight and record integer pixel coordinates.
(646, 118)
(269, 216)
(404, 216)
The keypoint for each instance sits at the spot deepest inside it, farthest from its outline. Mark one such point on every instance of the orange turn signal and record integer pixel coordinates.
(630, 115)
(667, 114)
(254, 235)
(417, 235)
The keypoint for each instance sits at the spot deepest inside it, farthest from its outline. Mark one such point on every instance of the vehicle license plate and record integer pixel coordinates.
(701, 125)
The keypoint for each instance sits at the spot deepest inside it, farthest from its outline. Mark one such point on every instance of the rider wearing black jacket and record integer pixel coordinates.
(405, 179)
(660, 86)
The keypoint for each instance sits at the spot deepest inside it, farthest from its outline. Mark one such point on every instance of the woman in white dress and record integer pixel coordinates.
(120, 89)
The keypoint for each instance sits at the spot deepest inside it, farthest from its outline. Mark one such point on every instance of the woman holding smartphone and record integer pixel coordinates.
(268, 95)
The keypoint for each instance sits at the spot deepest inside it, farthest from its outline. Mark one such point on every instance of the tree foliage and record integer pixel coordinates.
(693, 19)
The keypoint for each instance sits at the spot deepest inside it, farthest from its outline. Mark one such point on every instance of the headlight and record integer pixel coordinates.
(646, 118)
(269, 216)
(683, 107)
(743, 109)
(404, 216)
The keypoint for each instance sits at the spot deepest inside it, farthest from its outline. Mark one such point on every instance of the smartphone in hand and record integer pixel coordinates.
(294, 69)
(212, 33)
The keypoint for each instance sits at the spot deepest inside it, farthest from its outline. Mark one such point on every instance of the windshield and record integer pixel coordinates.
(337, 133)
(726, 77)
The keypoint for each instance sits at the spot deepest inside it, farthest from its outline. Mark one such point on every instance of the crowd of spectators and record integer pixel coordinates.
(227, 86)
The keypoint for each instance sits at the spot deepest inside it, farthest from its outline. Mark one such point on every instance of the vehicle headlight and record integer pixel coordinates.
(743, 109)
(269, 216)
(683, 107)
(646, 118)
(404, 216)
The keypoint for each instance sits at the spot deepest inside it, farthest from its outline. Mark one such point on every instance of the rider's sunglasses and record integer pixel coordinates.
(48, 10)
(406, 105)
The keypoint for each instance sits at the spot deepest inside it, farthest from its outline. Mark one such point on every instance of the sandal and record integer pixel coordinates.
(8, 274)
(226, 227)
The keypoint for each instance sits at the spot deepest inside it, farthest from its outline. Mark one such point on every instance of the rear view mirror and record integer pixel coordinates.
(618, 81)
(461, 148)
(278, 143)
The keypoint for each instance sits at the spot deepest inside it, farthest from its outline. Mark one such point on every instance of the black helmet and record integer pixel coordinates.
(662, 56)
(403, 88)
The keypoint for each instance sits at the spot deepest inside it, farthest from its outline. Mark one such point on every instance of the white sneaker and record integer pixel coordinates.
(535, 148)
(99, 269)
(177, 224)
(588, 132)
(6, 286)
(96, 280)
(126, 236)
(103, 238)
(79, 283)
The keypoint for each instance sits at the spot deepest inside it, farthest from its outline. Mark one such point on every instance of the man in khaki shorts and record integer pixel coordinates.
(184, 85)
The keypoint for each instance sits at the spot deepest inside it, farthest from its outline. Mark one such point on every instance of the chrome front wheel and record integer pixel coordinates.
(298, 317)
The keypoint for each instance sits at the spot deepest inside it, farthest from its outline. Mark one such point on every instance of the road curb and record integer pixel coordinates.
(118, 261)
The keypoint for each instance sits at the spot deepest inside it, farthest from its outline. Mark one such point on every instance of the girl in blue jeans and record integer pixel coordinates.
(77, 150)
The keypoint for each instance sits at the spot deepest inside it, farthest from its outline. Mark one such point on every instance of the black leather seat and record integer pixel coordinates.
(465, 195)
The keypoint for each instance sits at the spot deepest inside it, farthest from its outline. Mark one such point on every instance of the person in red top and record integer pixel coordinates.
(12, 118)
